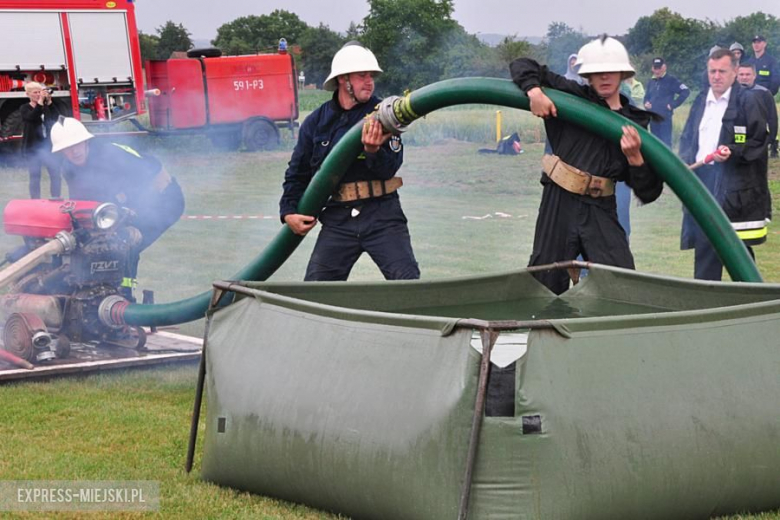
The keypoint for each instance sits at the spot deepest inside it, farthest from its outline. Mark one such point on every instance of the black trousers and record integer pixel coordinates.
(707, 264)
(569, 225)
(153, 220)
(36, 160)
(379, 228)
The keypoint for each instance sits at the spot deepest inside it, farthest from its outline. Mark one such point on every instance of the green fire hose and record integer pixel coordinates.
(397, 113)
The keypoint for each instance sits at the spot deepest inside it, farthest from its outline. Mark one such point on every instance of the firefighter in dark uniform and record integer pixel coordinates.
(578, 212)
(364, 214)
(109, 172)
(767, 74)
(663, 94)
(746, 76)
(730, 119)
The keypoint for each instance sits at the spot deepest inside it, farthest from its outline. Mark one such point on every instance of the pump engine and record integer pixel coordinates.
(67, 277)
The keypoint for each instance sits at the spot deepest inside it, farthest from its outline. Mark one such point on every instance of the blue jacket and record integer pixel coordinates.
(318, 135)
(666, 91)
(767, 72)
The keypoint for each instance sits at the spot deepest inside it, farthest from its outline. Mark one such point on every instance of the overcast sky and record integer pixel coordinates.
(521, 17)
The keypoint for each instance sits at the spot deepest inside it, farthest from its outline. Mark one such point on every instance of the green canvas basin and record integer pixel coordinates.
(629, 396)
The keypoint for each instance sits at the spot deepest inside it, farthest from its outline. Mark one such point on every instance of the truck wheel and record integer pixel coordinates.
(228, 141)
(260, 134)
(12, 125)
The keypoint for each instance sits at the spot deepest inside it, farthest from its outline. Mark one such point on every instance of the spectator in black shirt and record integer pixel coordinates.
(38, 116)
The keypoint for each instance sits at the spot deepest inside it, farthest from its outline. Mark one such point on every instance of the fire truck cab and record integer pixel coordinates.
(86, 51)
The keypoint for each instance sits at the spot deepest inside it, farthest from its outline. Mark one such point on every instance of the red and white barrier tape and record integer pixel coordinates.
(497, 214)
(228, 217)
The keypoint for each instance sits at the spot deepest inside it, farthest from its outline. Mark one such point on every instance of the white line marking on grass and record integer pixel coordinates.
(498, 214)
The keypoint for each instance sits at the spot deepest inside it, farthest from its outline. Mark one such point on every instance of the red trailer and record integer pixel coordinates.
(86, 51)
(233, 99)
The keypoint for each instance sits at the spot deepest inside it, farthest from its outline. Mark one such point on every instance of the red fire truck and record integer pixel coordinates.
(85, 51)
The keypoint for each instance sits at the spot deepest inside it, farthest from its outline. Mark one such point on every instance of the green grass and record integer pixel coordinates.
(134, 425)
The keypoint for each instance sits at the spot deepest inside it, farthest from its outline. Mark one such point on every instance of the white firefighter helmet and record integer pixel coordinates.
(352, 57)
(604, 54)
(68, 132)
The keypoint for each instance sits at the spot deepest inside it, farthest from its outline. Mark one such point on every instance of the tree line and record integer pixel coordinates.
(417, 42)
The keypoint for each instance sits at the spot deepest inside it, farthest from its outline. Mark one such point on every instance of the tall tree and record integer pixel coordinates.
(685, 44)
(259, 33)
(173, 37)
(639, 39)
(318, 45)
(409, 38)
(511, 48)
(742, 29)
(353, 32)
(466, 56)
(561, 42)
(148, 44)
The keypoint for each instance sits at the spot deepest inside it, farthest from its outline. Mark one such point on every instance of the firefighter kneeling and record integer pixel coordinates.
(102, 171)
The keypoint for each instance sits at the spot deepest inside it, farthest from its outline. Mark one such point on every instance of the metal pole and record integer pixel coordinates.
(488, 340)
(216, 295)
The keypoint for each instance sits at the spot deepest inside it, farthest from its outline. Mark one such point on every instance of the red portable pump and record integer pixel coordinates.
(66, 278)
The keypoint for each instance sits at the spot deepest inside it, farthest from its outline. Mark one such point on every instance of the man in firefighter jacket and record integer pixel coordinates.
(729, 119)
(103, 171)
(364, 214)
(578, 213)
(767, 73)
(663, 94)
(746, 76)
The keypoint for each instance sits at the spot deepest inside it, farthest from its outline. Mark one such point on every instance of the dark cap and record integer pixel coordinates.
(759, 38)
(658, 63)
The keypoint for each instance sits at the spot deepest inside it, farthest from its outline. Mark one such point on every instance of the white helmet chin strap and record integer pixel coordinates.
(350, 90)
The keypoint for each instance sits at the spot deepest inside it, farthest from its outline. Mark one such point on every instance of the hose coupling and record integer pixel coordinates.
(111, 311)
(395, 114)
(67, 241)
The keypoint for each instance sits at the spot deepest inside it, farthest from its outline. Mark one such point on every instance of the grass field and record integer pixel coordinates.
(468, 214)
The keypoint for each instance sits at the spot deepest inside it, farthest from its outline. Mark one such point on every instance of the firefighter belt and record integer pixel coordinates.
(360, 190)
(575, 180)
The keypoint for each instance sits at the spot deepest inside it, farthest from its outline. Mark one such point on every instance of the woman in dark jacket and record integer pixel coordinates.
(39, 115)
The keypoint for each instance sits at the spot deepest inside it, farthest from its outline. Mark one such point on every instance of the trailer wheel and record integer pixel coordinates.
(260, 134)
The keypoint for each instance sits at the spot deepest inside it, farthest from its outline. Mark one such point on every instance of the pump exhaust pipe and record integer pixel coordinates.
(64, 242)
